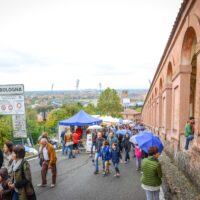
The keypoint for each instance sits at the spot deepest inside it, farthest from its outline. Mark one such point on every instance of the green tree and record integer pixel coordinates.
(90, 109)
(33, 129)
(67, 111)
(5, 129)
(109, 103)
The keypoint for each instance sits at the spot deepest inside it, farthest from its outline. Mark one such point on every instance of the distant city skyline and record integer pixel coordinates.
(54, 43)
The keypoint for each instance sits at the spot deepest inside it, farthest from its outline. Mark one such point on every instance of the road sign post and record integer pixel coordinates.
(12, 103)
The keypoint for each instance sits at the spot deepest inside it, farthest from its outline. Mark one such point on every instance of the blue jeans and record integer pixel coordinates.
(152, 195)
(97, 156)
(15, 196)
(70, 148)
(116, 167)
(188, 139)
(138, 162)
(64, 148)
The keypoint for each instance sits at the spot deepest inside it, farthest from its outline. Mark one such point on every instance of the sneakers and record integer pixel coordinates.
(52, 185)
(41, 185)
(125, 162)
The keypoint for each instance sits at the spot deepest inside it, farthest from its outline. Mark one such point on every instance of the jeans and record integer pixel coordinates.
(127, 157)
(15, 196)
(188, 139)
(97, 156)
(152, 195)
(116, 167)
(138, 162)
(70, 148)
(64, 148)
(92, 147)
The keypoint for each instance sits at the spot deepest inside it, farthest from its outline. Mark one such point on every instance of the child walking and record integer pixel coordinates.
(105, 152)
(115, 157)
(138, 157)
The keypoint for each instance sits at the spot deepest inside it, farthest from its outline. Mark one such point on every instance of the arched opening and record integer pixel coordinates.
(189, 46)
(169, 74)
(193, 85)
(188, 57)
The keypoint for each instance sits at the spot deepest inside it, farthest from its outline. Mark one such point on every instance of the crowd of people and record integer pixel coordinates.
(110, 148)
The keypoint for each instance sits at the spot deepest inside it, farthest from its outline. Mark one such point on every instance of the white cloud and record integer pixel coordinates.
(108, 41)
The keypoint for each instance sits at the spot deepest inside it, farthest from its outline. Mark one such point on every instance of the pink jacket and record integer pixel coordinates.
(138, 152)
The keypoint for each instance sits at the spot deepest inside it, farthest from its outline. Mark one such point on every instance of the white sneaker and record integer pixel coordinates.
(53, 185)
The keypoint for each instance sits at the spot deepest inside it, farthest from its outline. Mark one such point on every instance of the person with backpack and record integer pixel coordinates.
(21, 180)
(138, 157)
(105, 153)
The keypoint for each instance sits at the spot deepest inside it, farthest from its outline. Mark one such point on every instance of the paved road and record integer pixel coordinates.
(76, 181)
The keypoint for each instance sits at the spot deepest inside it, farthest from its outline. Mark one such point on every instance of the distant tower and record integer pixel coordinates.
(77, 83)
(124, 94)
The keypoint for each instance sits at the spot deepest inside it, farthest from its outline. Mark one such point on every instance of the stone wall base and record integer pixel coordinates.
(176, 184)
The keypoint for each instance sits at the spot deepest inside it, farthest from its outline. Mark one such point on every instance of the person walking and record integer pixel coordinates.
(94, 138)
(21, 180)
(105, 153)
(99, 144)
(138, 157)
(75, 145)
(7, 149)
(115, 157)
(62, 137)
(152, 174)
(127, 147)
(69, 143)
(112, 138)
(48, 162)
(189, 131)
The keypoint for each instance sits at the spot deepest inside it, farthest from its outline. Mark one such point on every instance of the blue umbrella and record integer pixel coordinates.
(147, 139)
(123, 132)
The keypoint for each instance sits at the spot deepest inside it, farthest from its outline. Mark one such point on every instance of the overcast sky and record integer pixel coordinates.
(117, 43)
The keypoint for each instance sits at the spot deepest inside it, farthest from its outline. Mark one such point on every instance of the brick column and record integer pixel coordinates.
(197, 100)
(167, 110)
(181, 84)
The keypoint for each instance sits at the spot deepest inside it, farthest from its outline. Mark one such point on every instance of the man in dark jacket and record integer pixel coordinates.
(99, 144)
(115, 157)
(1, 158)
(127, 147)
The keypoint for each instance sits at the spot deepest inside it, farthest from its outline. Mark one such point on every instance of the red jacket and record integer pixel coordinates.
(75, 138)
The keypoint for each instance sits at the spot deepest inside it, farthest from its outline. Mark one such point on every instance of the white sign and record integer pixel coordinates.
(89, 142)
(12, 105)
(11, 89)
(19, 126)
(126, 101)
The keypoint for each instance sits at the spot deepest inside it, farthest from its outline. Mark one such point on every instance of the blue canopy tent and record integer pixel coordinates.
(80, 119)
